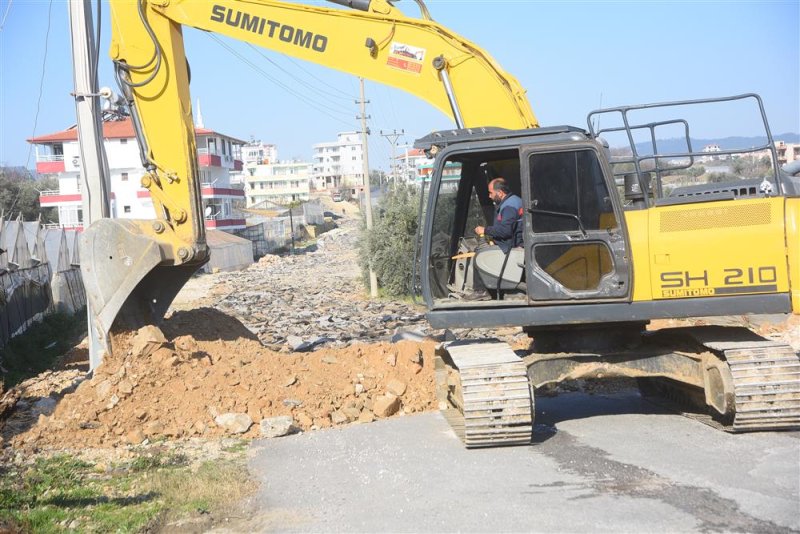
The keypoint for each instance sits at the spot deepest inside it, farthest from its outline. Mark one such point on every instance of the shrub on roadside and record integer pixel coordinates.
(390, 244)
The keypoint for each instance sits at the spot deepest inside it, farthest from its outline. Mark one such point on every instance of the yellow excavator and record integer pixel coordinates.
(611, 238)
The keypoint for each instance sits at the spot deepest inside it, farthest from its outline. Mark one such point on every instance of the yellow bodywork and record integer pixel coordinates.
(708, 249)
(793, 249)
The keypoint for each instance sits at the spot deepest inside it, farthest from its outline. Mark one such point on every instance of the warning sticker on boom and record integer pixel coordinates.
(406, 57)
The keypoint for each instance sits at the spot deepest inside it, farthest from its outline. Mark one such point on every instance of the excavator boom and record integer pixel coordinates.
(134, 268)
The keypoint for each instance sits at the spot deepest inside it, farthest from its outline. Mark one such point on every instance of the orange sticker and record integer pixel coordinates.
(406, 57)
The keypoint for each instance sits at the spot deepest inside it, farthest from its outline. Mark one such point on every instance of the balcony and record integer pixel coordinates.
(53, 197)
(50, 163)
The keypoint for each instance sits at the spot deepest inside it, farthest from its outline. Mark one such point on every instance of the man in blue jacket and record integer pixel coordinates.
(506, 230)
(500, 266)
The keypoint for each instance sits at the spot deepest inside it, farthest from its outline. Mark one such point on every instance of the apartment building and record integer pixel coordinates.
(281, 182)
(338, 164)
(787, 152)
(218, 155)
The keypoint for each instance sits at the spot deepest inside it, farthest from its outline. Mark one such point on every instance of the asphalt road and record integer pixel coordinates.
(600, 463)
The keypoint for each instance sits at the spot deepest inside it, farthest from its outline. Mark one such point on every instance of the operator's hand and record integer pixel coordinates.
(479, 230)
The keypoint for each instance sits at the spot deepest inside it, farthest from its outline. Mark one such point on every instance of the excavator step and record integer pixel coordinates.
(485, 386)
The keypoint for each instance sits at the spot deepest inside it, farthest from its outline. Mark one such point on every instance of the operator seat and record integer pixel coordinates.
(499, 271)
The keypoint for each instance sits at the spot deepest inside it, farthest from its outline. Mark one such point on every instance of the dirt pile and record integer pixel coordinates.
(209, 365)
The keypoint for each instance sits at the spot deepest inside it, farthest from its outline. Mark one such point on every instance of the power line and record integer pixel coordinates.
(300, 66)
(317, 106)
(41, 83)
(5, 16)
(298, 79)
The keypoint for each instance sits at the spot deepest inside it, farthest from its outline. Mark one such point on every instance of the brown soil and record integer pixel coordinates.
(211, 365)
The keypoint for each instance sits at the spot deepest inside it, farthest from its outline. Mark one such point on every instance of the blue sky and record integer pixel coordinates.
(566, 54)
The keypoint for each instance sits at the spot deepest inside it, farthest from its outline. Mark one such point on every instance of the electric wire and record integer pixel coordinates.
(325, 110)
(344, 94)
(41, 81)
(5, 15)
(302, 82)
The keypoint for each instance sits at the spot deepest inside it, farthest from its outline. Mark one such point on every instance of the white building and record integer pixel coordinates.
(253, 153)
(218, 156)
(339, 164)
(711, 150)
(282, 182)
(258, 153)
(412, 165)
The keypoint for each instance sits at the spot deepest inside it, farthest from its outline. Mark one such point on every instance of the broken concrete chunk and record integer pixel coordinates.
(135, 437)
(351, 412)
(304, 420)
(275, 427)
(338, 417)
(103, 389)
(292, 380)
(147, 339)
(154, 428)
(366, 417)
(385, 406)
(234, 423)
(396, 387)
(295, 342)
(124, 388)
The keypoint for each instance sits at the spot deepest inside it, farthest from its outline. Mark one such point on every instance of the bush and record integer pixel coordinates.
(390, 244)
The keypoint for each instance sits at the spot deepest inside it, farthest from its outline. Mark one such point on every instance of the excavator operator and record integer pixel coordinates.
(506, 231)
(500, 266)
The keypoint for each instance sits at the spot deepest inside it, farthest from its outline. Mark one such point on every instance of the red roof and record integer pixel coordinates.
(111, 130)
(412, 153)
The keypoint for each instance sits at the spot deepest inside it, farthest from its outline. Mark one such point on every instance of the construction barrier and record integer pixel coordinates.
(38, 275)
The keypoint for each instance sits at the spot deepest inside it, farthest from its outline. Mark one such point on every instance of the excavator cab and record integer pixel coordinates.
(575, 242)
(653, 227)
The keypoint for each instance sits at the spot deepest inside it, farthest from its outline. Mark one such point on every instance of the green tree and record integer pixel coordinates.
(390, 244)
(376, 177)
(19, 194)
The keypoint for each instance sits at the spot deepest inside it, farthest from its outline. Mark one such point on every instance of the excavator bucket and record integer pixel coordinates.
(129, 277)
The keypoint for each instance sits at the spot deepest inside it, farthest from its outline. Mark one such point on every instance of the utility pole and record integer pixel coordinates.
(373, 278)
(392, 137)
(94, 164)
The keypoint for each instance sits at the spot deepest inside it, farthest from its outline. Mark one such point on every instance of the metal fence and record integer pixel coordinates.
(38, 275)
(267, 236)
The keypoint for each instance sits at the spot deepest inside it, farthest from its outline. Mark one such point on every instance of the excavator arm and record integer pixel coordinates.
(134, 268)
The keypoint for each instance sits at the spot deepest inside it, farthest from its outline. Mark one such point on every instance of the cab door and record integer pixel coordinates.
(576, 246)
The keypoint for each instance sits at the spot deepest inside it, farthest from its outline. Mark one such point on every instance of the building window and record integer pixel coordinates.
(123, 141)
(126, 209)
(124, 176)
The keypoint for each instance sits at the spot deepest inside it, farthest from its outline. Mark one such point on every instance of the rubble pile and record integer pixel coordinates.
(208, 376)
(316, 298)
